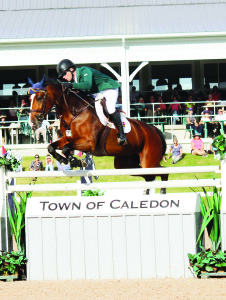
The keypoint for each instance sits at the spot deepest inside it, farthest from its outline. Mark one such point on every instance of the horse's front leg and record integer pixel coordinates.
(58, 145)
(74, 162)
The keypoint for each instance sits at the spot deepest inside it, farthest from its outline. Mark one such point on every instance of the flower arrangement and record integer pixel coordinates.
(11, 160)
(219, 143)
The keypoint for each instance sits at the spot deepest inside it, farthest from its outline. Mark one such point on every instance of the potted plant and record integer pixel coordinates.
(211, 260)
(11, 263)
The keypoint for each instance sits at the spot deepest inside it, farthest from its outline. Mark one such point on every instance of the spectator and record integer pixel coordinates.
(175, 109)
(209, 104)
(219, 117)
(62, 166)
(167, 94)
(42, 129)
(141, 107)
(192, 123)
(207, 118)
(12, 114)
(49, 163)
(177, 152)
(4, 131)
(197, 146)
(162, 110)
(212, 149)
(90, 166)
(150, 108)
(23, 116)
(133, 95)
(189, 104)
(216, 95)
(149, 93)
(36, 165)
(119, 102)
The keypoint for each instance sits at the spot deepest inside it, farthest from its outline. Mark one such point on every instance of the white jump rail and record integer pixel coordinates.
(114, 185)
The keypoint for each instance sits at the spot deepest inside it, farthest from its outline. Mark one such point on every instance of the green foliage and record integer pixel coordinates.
(11, 161)
(17, 219)
(11, 262)
(207, 261)
(220, 144)
(93, 193)
(210, 209)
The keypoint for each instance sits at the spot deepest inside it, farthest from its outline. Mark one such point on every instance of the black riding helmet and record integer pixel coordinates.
(64, 65)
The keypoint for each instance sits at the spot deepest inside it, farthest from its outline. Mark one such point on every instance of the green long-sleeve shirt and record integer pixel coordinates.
(93, 80)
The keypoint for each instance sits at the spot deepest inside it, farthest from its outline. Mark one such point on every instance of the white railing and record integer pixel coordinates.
(113, 185)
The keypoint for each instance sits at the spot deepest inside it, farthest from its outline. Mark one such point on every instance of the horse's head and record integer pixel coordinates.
(41, 103)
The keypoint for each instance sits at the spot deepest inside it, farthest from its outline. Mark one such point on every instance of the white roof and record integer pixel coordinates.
(25, 19)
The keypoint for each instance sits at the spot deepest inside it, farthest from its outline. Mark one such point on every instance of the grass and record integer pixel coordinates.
(108, 163)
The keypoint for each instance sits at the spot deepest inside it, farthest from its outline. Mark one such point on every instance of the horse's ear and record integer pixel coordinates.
(42, 83)
(30, 81)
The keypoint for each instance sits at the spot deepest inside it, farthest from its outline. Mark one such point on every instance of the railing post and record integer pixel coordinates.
(3, 211)
(223, 179)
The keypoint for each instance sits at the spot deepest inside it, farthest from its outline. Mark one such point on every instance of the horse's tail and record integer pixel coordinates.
(162, 137)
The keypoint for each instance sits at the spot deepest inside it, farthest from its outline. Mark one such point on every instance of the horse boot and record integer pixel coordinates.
(115, 118)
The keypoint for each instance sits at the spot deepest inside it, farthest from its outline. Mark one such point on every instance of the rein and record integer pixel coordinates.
(43, 113)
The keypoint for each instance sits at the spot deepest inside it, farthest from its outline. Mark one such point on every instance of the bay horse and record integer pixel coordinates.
(83, 131)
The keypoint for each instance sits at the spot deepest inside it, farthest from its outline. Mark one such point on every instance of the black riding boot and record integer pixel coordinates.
(115, 118)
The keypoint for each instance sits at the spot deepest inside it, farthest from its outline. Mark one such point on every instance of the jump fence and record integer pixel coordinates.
(112, 243)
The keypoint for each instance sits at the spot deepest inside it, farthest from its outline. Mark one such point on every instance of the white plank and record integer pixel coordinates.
(77, 248)
(49, 249)
(147, 247)
(133, 247)
(91, 248)
(63, 249)
(105, 248)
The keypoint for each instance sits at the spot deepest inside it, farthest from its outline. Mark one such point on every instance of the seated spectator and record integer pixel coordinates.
(134, 95)
(207, 118)
(141, 107)
(42, 129)
(217, 125)
(23, 116)
(150, 108)
(209, 104)
(4, 131)
(49, 163)
(177, 152)
(36, 165)
(216, 95)
(119, 102)
(162, 110)
(192, 123)
(12, 113)
(197, 146)
(175, 109)
(189, 104)
(212, 149)
(62, 166)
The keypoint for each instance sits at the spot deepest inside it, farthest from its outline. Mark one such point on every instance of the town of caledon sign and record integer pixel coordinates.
(104, 205)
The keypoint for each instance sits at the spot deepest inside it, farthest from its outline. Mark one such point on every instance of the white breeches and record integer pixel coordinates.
(111, 97)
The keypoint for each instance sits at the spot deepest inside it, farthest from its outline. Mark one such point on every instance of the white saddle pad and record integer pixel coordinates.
(105, 121)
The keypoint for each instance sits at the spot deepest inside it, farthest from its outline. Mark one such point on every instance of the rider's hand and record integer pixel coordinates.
(67, 85)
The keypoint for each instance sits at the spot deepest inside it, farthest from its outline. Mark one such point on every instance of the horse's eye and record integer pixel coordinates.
(39, 98)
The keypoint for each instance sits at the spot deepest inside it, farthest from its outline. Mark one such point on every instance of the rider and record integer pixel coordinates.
(86, 78)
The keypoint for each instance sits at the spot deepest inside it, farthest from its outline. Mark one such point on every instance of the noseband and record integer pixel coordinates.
(42, 112)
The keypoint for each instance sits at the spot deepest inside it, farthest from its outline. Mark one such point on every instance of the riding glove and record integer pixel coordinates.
(66, 85)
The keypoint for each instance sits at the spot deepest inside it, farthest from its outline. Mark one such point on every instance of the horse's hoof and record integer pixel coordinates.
(82, 163)
(63, 160)
(163, 191)
(74, 162)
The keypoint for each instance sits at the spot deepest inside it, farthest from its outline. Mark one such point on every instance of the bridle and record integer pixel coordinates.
(43, 113)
